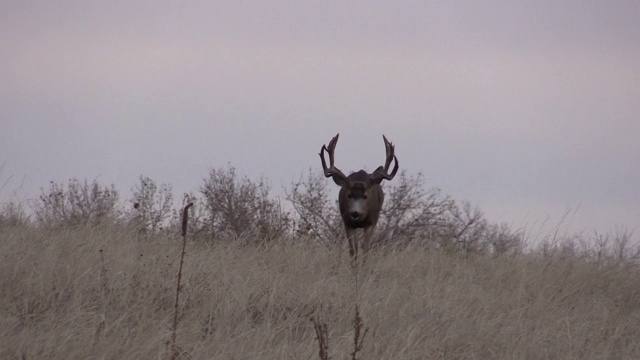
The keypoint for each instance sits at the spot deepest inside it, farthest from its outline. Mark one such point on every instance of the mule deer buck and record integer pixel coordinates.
(361, 197)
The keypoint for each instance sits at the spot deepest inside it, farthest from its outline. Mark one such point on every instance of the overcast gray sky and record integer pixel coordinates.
(525, 109)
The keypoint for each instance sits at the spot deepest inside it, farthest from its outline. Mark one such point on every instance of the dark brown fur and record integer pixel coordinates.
(361, 196)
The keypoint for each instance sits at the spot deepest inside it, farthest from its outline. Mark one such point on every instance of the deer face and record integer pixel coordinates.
(357, 207)
(360, 200)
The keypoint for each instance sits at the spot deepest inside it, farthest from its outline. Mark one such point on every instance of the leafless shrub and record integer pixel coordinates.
(77, 203)
(503, 239)
(238, 206)
(317, 214)
(411, 213)
(152, 205)
(616, 247)
(13, 214)
(624, 249)
(465, 229)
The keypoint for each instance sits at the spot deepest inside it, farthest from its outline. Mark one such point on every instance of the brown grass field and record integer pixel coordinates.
(106, 293)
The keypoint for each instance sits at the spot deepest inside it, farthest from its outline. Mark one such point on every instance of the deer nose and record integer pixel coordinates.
(355, 215)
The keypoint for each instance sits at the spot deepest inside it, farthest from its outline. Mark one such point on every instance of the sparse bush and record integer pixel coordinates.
(239, 206)
(13, 214)
(318, 214)
(410, 213)
(503, 239)
(151, 205)
(465, 229)
(77, 203)
(613, 248)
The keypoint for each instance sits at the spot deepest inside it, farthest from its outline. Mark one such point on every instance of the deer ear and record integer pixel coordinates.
(339, 180)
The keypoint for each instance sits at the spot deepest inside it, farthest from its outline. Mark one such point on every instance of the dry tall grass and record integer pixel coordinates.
(105, 292)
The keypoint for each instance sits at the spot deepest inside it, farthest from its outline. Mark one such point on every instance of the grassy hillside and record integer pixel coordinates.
(105, 292)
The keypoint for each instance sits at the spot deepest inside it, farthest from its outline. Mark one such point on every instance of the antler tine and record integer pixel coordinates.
(331, 149)
(395, 168)
(390, 151)
(324, 163)
(331, 171)
(383, 172)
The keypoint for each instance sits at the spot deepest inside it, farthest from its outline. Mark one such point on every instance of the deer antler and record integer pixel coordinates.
(332, 171)
(382, 173)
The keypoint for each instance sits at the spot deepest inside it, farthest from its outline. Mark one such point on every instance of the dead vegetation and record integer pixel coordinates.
(82, 279)
(97, 291)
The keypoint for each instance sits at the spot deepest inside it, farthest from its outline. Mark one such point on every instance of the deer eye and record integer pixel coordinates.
(364, 196)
